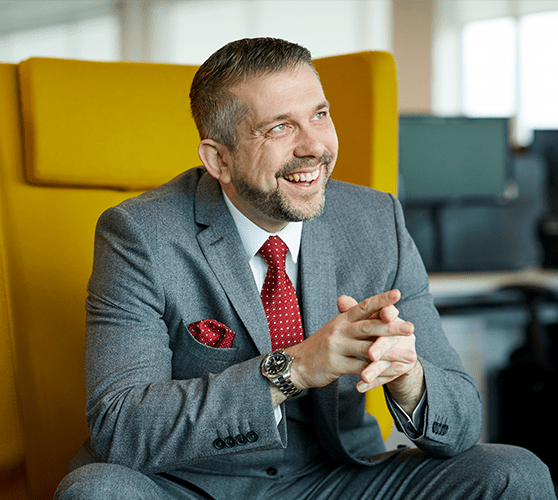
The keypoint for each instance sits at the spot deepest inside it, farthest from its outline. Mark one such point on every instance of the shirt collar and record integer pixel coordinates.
(253, 236)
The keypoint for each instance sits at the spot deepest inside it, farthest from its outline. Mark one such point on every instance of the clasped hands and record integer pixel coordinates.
(366, 338)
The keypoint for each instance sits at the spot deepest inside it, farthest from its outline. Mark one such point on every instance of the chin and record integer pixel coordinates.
(304, 211)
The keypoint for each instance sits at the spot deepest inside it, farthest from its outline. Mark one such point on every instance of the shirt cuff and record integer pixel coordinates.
(412, 425)
(278, 414)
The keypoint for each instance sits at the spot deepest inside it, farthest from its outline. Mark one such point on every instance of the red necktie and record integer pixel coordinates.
(279, 297)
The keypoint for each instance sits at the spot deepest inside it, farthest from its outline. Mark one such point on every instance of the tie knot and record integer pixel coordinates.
(274, 252)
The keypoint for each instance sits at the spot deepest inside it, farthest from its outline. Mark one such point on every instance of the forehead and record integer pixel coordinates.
(286, 92)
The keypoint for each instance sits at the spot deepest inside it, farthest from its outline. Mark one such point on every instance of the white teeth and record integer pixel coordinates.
(303, 177)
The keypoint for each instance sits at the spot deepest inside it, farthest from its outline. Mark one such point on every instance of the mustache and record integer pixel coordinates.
(300, 163)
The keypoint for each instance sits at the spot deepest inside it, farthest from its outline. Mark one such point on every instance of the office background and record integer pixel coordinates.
(472, 58)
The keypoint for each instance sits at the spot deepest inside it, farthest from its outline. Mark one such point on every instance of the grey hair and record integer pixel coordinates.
(216, 111)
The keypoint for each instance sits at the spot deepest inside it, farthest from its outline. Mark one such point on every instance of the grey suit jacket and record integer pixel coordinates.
(157, 400)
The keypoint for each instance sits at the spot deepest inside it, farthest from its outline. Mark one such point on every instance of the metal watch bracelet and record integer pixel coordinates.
(286, 387)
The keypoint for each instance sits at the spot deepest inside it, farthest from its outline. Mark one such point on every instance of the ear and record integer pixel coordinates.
(216, 159)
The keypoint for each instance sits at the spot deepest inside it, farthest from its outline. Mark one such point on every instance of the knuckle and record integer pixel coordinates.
(369, 327)
(363, 365)
(366, 304)
(398, 369)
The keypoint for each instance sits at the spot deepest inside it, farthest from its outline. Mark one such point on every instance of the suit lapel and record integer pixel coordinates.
(318, 288)
(221, 245)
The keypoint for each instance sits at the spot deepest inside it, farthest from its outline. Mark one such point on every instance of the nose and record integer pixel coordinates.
(310, 143)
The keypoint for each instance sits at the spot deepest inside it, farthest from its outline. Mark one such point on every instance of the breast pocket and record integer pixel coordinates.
(192, 358)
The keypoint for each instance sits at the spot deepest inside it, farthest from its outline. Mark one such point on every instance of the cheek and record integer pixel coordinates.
(333, 142)
(260, 170)
(269, 162)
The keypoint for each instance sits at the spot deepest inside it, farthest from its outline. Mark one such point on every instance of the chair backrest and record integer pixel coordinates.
(77, 137)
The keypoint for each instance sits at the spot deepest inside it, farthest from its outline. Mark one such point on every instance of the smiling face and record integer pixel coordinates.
(287, 149)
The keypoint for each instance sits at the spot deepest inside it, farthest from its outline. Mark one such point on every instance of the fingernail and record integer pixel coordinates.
(361, 386)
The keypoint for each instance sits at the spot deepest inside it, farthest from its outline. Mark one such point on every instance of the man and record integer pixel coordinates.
(208, 377)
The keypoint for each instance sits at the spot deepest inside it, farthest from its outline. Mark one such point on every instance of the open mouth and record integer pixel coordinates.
(299, 177)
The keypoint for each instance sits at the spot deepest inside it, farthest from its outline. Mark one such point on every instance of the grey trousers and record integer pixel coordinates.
(483, 472)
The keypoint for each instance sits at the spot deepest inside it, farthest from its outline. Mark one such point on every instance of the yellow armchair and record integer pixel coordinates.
(75, 138)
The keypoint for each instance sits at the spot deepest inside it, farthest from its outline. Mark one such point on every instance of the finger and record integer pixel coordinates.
(370, 376)
(377, 328)
(380, 347)
(388, 314)
(344, 303)
(397, 355)
(372, 305)
(394, 361)
(382, 372)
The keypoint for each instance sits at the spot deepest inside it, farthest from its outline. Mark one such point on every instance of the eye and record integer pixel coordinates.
(279, 128)
(320, 115)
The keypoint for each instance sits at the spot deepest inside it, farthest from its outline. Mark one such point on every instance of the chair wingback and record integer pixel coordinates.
(362, 91)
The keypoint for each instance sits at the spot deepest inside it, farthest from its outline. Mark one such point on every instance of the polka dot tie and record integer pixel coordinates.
(279, 297)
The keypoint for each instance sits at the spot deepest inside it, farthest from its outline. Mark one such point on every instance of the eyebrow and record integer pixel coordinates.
(260, 127)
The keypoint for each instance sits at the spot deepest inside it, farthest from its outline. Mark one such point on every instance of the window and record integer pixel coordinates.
(510, 68)
(538, 83)
(489, 68)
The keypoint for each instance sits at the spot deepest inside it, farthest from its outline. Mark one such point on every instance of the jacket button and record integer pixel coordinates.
(272, 471)
(230, 442)
(219, 444)
(241, 439)
(252, 437)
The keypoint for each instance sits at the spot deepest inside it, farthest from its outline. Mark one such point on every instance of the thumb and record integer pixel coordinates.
(344, 303)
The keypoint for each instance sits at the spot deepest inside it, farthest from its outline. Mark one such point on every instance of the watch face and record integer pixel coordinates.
(276, 364)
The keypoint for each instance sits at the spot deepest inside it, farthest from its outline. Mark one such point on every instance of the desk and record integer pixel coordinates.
(459, 291)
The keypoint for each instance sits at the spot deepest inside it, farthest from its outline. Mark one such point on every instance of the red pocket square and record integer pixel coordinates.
(212, 333)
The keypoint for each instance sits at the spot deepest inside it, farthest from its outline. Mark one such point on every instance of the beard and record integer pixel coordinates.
(274, 204)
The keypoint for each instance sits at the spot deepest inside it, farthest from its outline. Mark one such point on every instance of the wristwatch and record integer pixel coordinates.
(276, 368)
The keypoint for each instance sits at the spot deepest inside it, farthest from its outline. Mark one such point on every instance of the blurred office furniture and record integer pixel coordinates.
(527, 383)
(495, 266)
(497, 262)
(527, 386)
(489, 236)
(77, 137)
(452, 162)
(545, 144)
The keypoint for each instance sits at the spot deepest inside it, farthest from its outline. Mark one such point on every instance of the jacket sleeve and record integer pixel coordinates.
(138, 414)
(453, 414)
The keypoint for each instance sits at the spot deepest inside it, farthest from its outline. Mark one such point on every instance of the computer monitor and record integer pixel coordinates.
(545, 145)
(445, 160)
(544, 140)
(449, 162)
